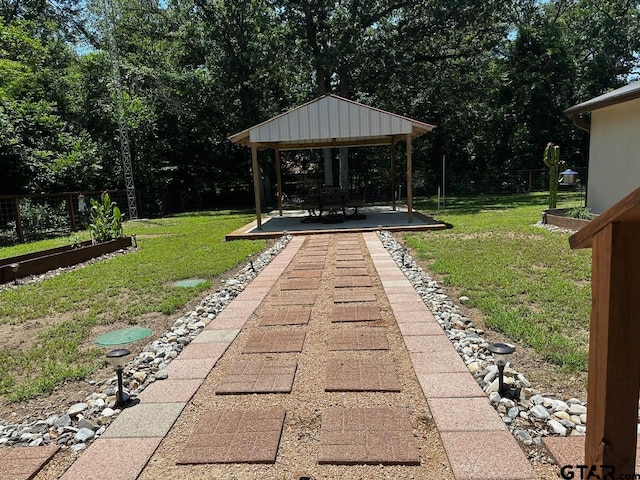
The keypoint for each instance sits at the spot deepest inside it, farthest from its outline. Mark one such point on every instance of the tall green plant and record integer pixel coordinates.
(106, 220)
(552, 159)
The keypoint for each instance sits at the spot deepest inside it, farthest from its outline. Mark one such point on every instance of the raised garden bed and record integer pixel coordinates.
(40, 262)
(557, 217)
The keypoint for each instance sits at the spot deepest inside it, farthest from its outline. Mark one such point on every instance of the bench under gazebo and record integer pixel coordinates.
(328, 122)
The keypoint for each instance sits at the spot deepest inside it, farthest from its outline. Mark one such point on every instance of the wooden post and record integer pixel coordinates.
(393, 174)
(256, 183)
(614, 349)
(409, 180)
(614, 337)
(279, 181)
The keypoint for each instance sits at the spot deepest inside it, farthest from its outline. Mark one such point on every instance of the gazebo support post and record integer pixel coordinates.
(279, 180)
(614, 349)
(409, 180)
(393, 174)
(256, 184)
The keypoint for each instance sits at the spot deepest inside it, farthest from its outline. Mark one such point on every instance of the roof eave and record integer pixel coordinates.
(600, 102)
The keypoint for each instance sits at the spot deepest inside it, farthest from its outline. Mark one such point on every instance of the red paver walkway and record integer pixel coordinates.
(481, 449)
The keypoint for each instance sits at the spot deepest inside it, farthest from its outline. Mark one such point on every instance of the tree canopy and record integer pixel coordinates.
(493, 76)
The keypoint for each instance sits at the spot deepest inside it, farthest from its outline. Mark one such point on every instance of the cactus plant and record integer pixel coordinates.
(552, 159)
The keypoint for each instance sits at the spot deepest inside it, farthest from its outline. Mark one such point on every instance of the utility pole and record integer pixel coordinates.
(110, 18)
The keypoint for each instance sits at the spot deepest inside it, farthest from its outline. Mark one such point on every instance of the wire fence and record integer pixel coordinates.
(31, 217)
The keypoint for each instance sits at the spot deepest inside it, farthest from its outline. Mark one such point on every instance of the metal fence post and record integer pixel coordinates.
(18, 218)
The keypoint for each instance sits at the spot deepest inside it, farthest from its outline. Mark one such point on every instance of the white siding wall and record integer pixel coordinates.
(614, 154)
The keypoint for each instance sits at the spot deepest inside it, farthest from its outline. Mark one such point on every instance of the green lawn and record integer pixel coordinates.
(121, 289)
(525, 280)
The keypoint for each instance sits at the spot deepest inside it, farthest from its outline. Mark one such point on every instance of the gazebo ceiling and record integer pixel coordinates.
(330, 121)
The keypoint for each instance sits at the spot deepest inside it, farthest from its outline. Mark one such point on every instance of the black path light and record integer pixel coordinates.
(118, 360)
(14, 268)
(404, 252)
(250, 258)
(501, 352)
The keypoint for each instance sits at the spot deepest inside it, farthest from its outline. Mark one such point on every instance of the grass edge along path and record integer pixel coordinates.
(117, 290)
(525, 280)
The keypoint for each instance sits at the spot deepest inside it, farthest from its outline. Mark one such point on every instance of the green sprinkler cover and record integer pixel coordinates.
(190, 282)
(120, 337)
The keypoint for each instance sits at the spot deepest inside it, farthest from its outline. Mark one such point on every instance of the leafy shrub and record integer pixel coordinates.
(582, 213)
(106, 220)
(40, 218)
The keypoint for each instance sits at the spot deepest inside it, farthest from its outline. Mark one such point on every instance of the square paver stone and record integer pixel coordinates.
(353, 281)
(351, 264)
(144, 421)
(360, 272)
(301, 284)
(346, 295)
(437, 361)
(22, 463)
(299, 297)
(364, 312)
(465, 414)
(217, 336)
(203, 350)
(351, 436)
(448, 385)
(486, 456)
(358, 339)
(234, 437)
(285, 316)
(311, 258)
(189, 368)
(570, 450)
(98, 462)
(360, 375)
(307, 266)
(349, 257)
(423, 328)
(275, 342)
(170, 391)
(258, 376)
(305, 274)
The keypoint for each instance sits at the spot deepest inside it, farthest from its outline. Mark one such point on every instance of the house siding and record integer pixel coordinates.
(614, 165)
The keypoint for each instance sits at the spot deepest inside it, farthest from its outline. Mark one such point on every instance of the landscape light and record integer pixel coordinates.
(501, 352)
(118, 360)
(14, 268)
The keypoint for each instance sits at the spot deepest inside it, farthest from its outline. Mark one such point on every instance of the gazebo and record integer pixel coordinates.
(326, 122)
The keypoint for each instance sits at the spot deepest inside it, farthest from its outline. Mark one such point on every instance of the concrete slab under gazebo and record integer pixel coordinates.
(326, 122)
